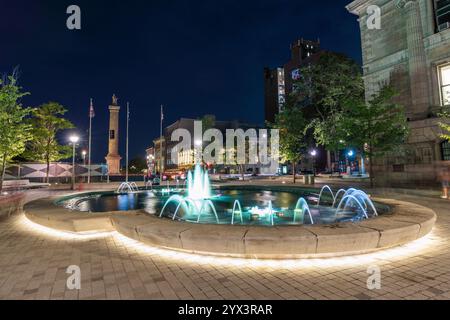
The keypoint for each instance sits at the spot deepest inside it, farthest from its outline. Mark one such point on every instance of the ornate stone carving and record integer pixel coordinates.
(402, 3)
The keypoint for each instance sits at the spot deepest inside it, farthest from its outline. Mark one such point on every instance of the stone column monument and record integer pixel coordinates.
(113, 158)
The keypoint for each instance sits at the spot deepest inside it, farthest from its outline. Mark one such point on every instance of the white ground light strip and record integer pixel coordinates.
(424, 245)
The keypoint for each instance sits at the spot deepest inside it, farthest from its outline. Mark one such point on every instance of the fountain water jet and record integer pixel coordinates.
(301, 207)
(321, 192)
(197, 201)
(127, 187)
(198, 184)
(236, 204)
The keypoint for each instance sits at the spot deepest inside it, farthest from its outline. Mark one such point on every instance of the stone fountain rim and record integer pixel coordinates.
(405, 223)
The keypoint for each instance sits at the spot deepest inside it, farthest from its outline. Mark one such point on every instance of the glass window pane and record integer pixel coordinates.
(445, 75)
(446, 95)
(445, 150)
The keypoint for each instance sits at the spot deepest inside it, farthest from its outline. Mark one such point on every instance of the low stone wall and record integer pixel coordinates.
(406, 222)
(11, 204)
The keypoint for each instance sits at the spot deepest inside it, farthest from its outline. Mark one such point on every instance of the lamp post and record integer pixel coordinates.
(314, 154)
(83, 155)
(73, 139)
(350, 154)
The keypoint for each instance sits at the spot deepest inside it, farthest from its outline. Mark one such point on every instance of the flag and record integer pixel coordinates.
(91, 110)
(162, 113)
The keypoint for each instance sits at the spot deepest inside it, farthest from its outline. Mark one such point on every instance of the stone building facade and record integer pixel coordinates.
(411, 51)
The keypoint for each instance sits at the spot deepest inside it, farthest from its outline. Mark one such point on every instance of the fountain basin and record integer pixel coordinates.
(404, 222)
(242, 205)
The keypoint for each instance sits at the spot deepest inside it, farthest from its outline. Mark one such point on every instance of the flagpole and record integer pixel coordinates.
(128, 120)
(90, 143)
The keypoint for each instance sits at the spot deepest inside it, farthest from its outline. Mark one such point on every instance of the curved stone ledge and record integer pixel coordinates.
(406, 222)
(11, 204)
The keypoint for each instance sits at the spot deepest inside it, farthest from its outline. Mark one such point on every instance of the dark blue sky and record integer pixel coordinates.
(196, 57)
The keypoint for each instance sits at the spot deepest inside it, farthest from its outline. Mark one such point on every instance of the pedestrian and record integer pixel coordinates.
(445, 177)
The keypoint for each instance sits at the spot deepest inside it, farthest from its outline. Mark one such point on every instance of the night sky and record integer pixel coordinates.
(196, 57)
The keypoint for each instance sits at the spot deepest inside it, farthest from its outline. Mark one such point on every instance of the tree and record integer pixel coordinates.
(137, 165)
(376, 127)
(232, 158)
(208, 122)
(322, 89)
(14, 130)
(291, 124)
(445, 124)
(47, 121)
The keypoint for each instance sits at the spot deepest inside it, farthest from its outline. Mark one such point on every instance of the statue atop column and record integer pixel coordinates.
(114, 100)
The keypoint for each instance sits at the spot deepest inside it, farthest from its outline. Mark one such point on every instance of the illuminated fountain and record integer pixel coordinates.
(350, 198)
(267, 213)
(127, 187)
(197, 200)
(301, 208)
(167, 189)
(149, 184)
(198, 185)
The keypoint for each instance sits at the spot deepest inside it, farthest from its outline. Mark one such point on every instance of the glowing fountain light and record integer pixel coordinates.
(199, 187)
(198, 197)
(264, 212)
(301, 208)
(167, 189)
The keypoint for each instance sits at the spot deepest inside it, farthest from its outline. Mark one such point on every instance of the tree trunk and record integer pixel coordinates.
(2, 178)
(336, 156)
(294, 171)
(47, 179)
(371, 170)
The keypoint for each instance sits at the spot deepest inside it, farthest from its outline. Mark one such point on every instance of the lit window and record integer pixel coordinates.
(295, 74)
(445, 146)
(444, 74)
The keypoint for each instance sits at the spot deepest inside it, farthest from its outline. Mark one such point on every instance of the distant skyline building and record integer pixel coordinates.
(186, 158)
(113, 158)
(159, 145)
(278, 82)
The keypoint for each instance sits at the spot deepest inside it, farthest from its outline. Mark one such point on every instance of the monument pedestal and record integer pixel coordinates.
(113, 162)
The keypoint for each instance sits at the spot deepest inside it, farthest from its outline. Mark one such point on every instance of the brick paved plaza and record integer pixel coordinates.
(33, 263)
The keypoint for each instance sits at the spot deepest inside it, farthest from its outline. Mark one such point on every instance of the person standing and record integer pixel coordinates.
(445, 177)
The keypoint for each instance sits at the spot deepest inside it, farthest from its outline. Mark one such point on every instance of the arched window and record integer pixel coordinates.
(445, 147)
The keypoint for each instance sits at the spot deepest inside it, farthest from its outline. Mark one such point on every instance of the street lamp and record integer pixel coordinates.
(313, 153)
(73, 139)
(350, 154)
(83, 155)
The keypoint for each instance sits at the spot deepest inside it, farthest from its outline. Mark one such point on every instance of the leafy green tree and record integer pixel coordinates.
(445, 124)
(137, 165)
(322, 89)
(291, 124)
(376, 127)
(208, 122)
(47, 121)
(14, 130)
